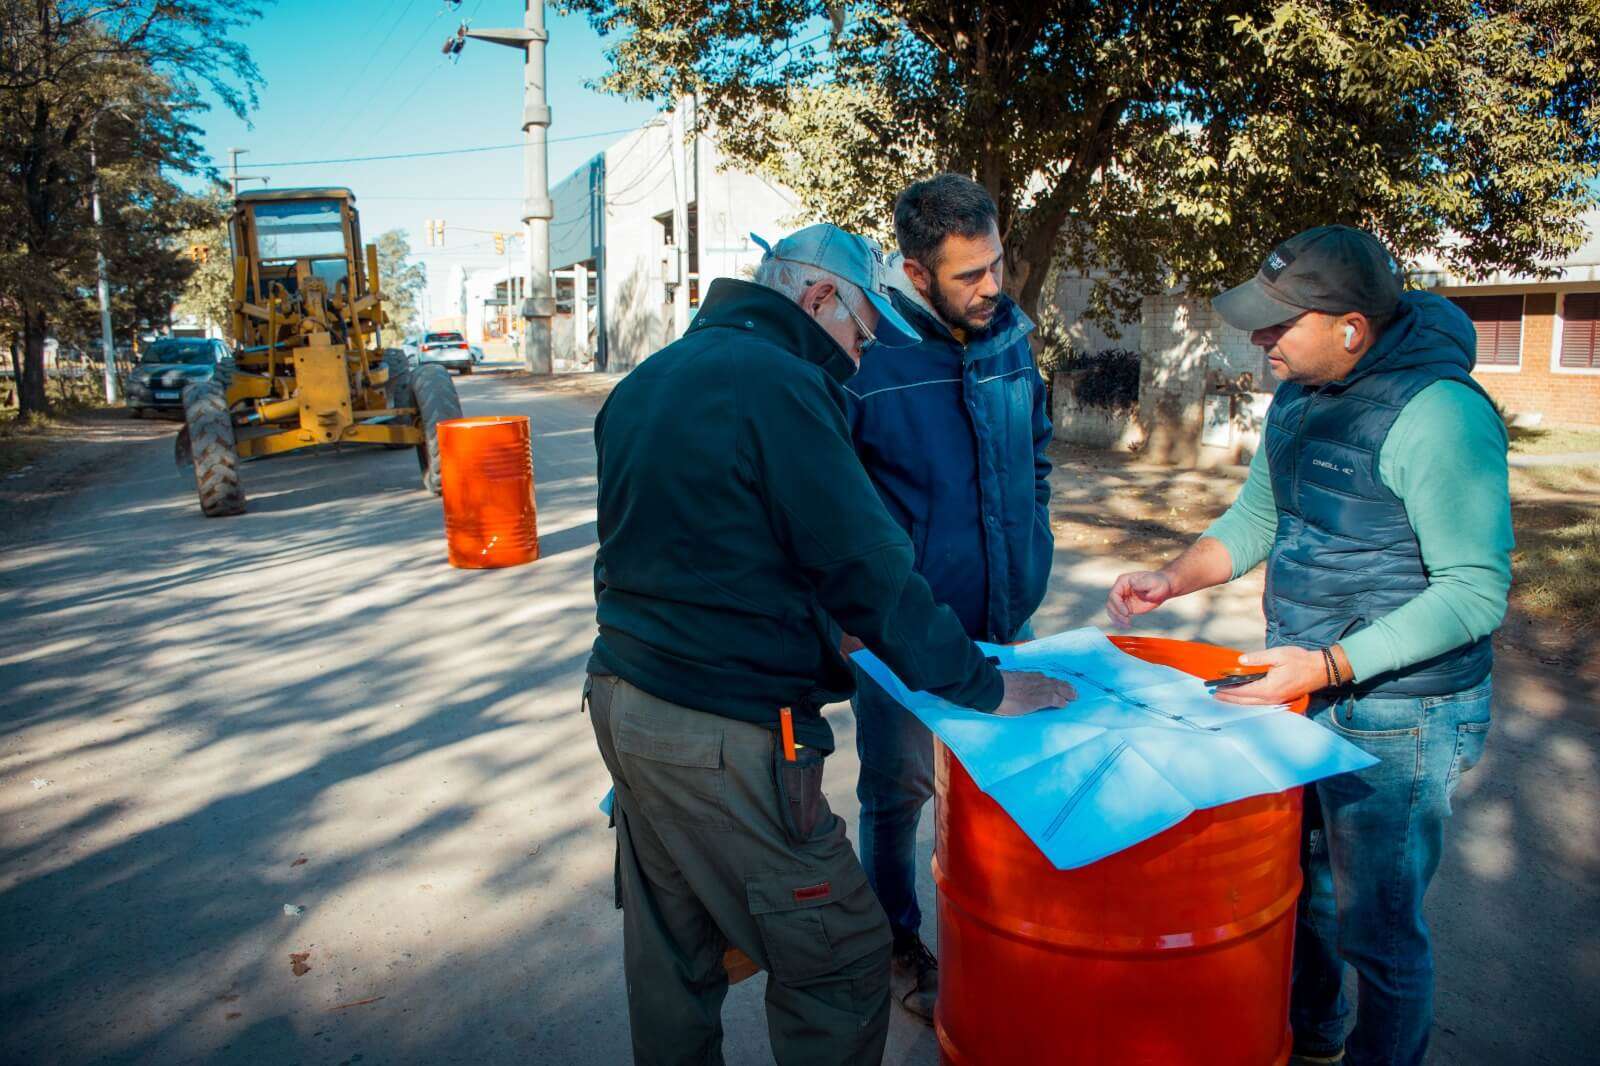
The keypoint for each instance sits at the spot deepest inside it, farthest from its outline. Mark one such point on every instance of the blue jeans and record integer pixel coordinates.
(896, 780)
(1372, 841)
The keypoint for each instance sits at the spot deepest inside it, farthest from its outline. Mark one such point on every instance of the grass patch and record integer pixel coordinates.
(1553, 440)
(1563, 480)
(1556, 565)
(23, 438)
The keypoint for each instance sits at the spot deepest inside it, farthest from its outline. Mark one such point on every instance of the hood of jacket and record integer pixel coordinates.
(1428, 329)
(1009, 326)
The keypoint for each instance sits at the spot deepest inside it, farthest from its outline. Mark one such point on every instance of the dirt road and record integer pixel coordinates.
(287, 788)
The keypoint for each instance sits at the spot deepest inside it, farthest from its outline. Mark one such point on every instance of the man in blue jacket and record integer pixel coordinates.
(953, 433)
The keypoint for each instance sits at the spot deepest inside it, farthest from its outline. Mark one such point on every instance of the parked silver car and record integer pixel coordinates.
(166, 365)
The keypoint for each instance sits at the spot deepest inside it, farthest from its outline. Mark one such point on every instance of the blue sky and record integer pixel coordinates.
(409, 98)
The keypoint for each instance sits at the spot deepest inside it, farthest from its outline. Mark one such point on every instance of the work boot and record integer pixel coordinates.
(914, 977)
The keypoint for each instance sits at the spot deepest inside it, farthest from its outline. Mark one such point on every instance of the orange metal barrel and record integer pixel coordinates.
(1175, 951)
(486, 478)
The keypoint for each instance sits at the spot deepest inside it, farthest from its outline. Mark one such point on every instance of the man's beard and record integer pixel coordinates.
(953, 317)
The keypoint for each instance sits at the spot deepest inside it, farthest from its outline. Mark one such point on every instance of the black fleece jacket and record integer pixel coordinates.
(739, 532)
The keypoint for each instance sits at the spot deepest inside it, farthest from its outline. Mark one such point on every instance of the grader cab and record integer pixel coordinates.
(309, 365)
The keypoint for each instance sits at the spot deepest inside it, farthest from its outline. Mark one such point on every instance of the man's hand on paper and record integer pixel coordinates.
(1027, 692)
(1138, 593)
(849, 645)
(1291, 673)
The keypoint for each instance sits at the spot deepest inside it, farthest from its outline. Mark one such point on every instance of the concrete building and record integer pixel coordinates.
(1204, 388)
(642, 229)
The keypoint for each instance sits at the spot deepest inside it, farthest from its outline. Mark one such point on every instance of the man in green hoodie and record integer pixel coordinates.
(738, 534)
(1379, 500)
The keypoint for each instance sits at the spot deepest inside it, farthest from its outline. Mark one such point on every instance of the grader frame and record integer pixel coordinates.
(309, 369)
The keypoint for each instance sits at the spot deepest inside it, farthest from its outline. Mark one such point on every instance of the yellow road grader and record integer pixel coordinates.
(309, 367)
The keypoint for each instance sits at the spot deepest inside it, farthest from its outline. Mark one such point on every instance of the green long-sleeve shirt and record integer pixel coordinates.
(1445, 457)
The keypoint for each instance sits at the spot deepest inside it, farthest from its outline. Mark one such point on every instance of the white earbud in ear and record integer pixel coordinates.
(1349, 337)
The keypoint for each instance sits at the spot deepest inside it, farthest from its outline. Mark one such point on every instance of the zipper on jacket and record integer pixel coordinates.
(1305, 414)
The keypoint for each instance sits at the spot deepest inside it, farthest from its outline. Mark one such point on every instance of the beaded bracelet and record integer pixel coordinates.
(1331, 665)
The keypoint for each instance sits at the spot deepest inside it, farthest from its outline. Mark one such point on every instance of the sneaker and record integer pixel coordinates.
(914, 977)
(1315, 1057)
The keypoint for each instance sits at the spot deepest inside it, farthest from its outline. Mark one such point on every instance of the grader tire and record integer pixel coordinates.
(397, 391)
(436, 401)
(216, 456)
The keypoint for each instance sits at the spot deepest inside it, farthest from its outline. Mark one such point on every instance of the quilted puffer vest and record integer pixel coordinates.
(1345, 553)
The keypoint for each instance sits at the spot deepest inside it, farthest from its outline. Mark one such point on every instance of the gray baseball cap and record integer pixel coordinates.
(1334, 269)
(856, 260)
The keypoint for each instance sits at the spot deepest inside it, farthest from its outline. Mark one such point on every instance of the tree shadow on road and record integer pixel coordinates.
(212, 702)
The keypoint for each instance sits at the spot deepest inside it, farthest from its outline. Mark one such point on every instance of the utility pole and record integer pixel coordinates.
(108, 342)
(680, 217)
(537, 210)
(234, 177)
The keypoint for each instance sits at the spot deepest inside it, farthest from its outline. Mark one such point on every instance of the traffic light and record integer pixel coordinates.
(435, 232)
(199, 253)
(499, 244)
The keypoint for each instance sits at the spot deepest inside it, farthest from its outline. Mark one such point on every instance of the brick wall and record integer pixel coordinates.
(1186, 346)
(1562, 398)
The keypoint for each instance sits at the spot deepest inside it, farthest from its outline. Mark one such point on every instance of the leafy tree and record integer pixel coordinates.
(1147, 143)
(208, 292)
(120, 79)
(402, 283)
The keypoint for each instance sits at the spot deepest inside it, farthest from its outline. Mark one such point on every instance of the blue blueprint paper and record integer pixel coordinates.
(1141, 748)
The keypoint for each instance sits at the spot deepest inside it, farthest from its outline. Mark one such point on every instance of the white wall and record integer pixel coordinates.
(1192, 359)
(640, 187)
(1071, 300)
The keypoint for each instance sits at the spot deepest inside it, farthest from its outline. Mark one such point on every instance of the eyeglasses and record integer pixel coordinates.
(868, 338)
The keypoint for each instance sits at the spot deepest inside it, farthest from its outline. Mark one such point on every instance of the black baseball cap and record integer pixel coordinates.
(1334, 269)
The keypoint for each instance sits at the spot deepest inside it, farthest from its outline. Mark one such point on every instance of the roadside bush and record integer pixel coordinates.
(1107, 378)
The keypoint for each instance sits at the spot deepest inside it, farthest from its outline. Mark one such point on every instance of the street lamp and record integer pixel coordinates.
(540, 305)
(108, 343)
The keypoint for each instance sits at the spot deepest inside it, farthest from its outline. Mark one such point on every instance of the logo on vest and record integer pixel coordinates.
(1336, 468)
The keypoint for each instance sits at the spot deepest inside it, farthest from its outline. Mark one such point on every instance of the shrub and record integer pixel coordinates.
(1108, 378)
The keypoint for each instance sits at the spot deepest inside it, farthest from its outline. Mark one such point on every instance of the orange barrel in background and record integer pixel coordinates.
(486, 478)
(1175, 951)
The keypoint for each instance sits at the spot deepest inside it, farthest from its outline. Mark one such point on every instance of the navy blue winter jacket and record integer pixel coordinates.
(953, 436)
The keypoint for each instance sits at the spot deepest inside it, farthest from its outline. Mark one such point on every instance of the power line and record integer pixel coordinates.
(334, 110)
(415, 89)
(430, 199)
(399, 64)
(445, 151)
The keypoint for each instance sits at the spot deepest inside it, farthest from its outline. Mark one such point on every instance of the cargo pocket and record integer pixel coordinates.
(815, 923)
(801, 805)
(675, 773)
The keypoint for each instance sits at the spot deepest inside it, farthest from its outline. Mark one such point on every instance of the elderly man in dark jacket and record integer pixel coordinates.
(953, 433)
(738, 532)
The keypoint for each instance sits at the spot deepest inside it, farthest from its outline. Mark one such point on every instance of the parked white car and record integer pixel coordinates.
(448, 349)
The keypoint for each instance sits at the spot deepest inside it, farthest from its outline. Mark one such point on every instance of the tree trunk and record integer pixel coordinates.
(31, 395)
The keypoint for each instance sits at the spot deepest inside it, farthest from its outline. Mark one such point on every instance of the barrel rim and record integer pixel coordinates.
(483, 421)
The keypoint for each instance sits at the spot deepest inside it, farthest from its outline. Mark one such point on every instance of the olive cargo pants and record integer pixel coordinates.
(705, 861)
